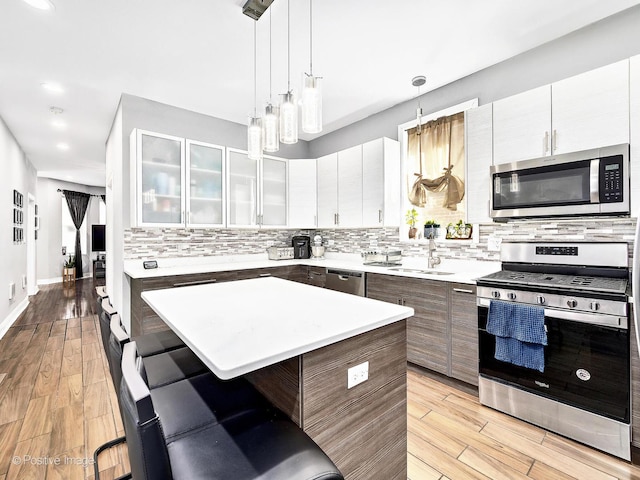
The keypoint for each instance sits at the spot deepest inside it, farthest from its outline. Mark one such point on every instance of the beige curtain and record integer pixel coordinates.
(436, 161)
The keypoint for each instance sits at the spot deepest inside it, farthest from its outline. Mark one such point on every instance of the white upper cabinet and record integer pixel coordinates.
(586, 111)
(257, 191)
(273, 192)
(205, 178)
(158, 173)
(591, 110)
(302, 193)
(242, 190)
(479, 151)
(360, 186)
(350, 187)
(634, 103)
(328, 191)
(381, 183)
(522, 126)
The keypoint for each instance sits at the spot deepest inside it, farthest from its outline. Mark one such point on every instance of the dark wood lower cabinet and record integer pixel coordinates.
(463, 315)
(443, 334)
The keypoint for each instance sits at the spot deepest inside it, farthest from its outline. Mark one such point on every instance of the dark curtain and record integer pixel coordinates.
(77, 203)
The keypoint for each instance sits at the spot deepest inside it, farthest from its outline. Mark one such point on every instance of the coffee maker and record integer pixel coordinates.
(301, 246)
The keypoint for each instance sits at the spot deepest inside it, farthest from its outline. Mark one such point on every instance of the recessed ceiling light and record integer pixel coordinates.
(59, 124)
(63, 146)
(41, 4)
(52, 87)
(56, 110)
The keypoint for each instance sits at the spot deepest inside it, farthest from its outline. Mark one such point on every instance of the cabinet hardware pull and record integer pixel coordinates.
(545, 142)
(195, 282)
(182, 216)
(462, 290)
(554, 141)
(264, 275)
(379, 216)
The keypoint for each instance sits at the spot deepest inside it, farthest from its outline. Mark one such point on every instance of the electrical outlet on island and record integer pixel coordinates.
(358, 374)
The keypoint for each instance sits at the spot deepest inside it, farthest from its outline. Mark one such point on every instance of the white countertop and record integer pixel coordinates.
(462, 271)
(238, 327)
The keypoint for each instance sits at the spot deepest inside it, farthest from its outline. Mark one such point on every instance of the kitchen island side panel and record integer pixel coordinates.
(362, 429)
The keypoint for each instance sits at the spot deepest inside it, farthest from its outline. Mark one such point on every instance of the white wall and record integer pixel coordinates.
(117, 209)
(49, 243)
(17, 174)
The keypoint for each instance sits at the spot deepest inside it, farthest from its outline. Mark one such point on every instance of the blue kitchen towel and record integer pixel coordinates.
(523, 354)
(520, 334)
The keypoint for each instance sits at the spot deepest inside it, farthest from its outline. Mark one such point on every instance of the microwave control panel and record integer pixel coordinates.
(611, 179)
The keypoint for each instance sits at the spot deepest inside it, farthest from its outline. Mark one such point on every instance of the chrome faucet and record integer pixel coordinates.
(433, 260)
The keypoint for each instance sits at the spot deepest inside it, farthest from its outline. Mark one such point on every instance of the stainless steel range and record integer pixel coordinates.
(583, 391)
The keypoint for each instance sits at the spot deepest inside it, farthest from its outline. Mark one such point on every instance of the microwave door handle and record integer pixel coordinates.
(594, 181)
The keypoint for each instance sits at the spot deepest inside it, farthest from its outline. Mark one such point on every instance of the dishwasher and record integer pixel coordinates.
(347, 281)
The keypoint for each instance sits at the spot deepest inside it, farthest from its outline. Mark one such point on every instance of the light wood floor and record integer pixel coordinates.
(57, 404)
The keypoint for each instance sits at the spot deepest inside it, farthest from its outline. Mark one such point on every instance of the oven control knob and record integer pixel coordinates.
(495, 294)
(511, 296)
(595, 306)
(541, 300)
(572, 303)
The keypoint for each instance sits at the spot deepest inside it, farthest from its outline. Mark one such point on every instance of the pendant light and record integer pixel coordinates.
(418, 82)
(254, 131)
(271, 137)
(311, 93)
(288, 106)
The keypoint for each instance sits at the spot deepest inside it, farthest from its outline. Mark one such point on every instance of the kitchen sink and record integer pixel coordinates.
(410, 270)
(418, 270)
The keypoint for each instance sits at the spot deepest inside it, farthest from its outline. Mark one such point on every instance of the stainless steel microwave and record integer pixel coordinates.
(590, 182)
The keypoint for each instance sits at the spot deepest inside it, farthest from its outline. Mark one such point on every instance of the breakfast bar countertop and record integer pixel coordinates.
(242, 326)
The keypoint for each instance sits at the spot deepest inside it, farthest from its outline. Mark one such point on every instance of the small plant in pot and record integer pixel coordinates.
(70, 262)
(431, 229)
(411, 218)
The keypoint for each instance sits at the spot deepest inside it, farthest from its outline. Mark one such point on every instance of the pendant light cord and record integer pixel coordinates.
(270, 50)
(255, 69)
(311, 38)
(288, 45)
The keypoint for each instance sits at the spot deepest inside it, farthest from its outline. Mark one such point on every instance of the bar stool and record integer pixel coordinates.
(256, 442)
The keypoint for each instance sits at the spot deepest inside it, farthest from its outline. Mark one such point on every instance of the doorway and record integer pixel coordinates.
(32, 232)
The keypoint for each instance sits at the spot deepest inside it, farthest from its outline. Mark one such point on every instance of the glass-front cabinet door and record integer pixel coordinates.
(160, 174)
(205, 180)
(242, 197)
(274, 192)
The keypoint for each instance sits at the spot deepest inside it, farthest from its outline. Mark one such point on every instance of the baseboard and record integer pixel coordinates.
(49, 281)
(13, 316)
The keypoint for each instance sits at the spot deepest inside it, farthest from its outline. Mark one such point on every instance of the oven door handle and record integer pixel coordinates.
(582, 317)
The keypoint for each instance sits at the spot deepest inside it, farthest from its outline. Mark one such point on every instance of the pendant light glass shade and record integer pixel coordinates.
(311, 104)
(254, 138)
(271, 138)
(288, 118)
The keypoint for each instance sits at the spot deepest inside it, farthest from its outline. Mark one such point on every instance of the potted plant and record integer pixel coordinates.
(460, 230)
(69, 269)
(431, 229)
(412, 218)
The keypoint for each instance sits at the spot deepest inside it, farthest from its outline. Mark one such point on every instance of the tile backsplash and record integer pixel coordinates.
(181, 242)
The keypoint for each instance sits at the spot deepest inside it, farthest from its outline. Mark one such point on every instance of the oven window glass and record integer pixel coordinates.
(565, 184)
(586, 366)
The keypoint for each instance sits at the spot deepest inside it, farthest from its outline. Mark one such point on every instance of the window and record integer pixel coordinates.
(69, 231)
(433, 161)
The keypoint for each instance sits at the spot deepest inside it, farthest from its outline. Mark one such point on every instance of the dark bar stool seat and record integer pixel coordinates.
(175, 432)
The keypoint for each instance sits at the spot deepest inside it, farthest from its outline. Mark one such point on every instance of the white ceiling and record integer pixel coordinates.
(198, 55)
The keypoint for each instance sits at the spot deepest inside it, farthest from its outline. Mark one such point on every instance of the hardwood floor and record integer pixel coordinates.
(452, 436)
(57, 404)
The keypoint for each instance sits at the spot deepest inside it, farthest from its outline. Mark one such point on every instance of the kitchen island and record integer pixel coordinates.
(296, 343)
